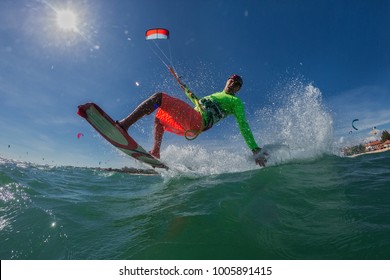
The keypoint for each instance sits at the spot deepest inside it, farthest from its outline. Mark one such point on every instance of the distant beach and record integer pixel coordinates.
(371, 152)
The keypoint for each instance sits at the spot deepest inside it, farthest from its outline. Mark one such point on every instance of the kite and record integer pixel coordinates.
(157, 33)
(160, 45)
(79, 135)
(355, 120)
(157, 36)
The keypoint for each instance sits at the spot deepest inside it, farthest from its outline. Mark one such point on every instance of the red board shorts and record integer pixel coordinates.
(178, 117)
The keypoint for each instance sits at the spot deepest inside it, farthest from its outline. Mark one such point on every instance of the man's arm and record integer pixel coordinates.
(246, 132)
(191, 96)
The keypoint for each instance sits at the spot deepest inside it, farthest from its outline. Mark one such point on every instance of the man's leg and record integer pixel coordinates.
(158, 135)
(145, 108)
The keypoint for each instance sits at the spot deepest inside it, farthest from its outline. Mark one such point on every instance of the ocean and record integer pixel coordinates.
(324, 207)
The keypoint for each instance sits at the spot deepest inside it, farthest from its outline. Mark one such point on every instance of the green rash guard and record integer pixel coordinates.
(219, 105)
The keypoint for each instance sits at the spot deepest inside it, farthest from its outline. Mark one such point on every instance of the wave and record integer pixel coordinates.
(318, 208)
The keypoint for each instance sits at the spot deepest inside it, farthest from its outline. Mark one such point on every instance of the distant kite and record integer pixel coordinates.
(355, 120)
(79, 135)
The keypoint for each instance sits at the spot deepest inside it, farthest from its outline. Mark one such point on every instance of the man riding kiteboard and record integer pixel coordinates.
(176, 116)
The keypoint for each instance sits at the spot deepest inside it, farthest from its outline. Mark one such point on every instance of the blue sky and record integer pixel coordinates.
(340, 47)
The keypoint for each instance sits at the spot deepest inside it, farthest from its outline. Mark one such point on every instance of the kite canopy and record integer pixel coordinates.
(157, 33)
(355, 120)
(79, 135)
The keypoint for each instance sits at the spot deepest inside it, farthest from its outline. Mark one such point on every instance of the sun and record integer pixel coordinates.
(67, 20)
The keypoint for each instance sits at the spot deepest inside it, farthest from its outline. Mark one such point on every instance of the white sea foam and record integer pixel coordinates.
(196, 160)
(298, 122)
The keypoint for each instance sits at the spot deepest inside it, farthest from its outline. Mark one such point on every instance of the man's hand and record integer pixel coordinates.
(260, 157)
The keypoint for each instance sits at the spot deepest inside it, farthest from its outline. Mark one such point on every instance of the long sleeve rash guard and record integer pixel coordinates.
(220, 105)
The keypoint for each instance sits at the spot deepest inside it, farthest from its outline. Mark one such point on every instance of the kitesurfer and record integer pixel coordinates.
(176, 116)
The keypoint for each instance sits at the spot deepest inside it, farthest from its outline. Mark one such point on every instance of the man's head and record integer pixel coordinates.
(233, 84)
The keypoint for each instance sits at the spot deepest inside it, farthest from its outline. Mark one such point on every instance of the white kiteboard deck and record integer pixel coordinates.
(116, 135)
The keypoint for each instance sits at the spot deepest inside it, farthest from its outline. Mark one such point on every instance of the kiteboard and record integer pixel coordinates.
(116, 135)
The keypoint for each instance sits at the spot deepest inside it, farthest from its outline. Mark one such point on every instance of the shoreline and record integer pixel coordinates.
(129, 170)
(371, 152)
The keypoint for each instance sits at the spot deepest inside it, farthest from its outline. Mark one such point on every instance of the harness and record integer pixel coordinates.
(211, 114)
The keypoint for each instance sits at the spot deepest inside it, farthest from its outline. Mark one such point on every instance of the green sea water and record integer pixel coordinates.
(326, 207)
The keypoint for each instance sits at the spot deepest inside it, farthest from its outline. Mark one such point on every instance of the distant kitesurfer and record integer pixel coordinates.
(176, 116)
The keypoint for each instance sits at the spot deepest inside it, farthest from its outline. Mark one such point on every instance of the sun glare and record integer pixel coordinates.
(67, 20)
